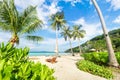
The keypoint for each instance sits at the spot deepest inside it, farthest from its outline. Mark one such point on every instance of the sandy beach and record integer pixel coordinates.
(65, 68)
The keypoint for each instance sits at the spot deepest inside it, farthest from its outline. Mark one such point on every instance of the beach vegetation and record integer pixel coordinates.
(92, 68)
(15, 65)
(100, 58)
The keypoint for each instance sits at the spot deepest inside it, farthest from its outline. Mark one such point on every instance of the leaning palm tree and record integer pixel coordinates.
(66, 33)
(19, 23)
(78, 34)
(57, 21)
(112, 58)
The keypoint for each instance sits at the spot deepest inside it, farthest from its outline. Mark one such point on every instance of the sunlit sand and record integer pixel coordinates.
(65, 68)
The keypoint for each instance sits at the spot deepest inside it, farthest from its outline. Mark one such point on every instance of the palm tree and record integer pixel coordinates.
(77, 33)
(112, 58)
(19, 23)
(57, 21)
(66, 33)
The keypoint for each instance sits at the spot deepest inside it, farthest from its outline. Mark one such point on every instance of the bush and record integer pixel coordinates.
(100, 58)
(118, 57)
(92, 68)
(14, 65)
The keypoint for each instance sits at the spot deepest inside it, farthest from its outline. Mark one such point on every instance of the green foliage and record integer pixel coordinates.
(77, 32)
(19, 23)
(57, 20)
(118, 57)
(100, 58)
(99, 43)
(92, 68)
(14, 65)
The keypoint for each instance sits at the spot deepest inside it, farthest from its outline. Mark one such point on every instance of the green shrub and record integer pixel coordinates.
(118, 57)
(14, 65)
(100, 58)
(92, 68)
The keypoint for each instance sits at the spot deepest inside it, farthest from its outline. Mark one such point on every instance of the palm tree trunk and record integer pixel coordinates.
(56, 48)
(13, 39)
(80, 52)
(71, 47)
(112, 58)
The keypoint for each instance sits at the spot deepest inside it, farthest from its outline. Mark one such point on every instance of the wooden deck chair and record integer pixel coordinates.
(52, 60)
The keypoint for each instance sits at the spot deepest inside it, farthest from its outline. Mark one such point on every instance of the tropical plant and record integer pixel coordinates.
(92, 68)
(15, 65)
(77, 33)
(19, 23)
(112, 58)
(57, 21)
(100, 58)
(66, 33)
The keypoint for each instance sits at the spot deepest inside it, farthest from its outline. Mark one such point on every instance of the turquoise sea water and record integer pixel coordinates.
(44, 53)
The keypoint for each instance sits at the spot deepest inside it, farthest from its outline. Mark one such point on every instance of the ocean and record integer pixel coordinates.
(44, 53)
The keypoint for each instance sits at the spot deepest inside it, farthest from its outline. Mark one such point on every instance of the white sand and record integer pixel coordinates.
(65, 68)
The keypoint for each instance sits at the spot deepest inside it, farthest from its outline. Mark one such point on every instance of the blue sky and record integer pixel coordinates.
(76, 12)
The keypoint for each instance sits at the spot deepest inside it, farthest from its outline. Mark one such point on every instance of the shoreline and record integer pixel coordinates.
(46, 54)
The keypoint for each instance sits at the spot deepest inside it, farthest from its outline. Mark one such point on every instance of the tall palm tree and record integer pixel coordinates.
(78, 34)
(112, 58)
(57, 21)
(19, 23)
(66, 33)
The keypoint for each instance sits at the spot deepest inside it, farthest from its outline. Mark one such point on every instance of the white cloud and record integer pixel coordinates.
(43, 10)
(73, 2)
(24, 3)
(91, 29)
(117, 20)
(90, 2)
(108, 0)
(51, 41)
(115, 4)
(53, 8)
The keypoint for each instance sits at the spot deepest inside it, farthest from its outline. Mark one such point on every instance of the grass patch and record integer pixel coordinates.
(92, 68)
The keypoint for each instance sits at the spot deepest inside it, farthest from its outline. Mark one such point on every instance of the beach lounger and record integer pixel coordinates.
(52, 60)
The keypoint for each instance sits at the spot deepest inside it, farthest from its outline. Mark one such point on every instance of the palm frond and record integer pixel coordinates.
(28, 13)
(66, 32)
(57, 20)
(29, 20)
(5, 16)
(53, 25)
(14, 13)
(5, 27)
(8, 14)
(77, 32)
(35, 25)
(34, 38)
